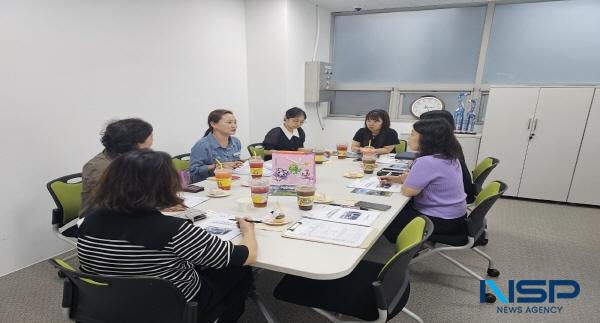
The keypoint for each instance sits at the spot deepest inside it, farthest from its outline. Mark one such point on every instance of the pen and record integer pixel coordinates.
(248, 220)
(350, 206)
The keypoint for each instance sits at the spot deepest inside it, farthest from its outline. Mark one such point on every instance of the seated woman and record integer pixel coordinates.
(434, 181)
(218, 143)
(119, 137)
(376, 134)
(125, 235)
(467, 181)
(290, 136)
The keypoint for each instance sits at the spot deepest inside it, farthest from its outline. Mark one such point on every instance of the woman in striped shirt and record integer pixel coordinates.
(124, 234)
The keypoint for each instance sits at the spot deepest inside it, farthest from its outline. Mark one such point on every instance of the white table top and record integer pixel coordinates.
(300, 257)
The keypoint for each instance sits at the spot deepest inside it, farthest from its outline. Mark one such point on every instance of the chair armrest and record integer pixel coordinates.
(379, 296)
(57, 217)
(191, 312)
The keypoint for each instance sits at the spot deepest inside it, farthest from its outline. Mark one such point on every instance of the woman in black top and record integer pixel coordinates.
(289, 136)
(124, 234)
(467, 181)
(376, 133)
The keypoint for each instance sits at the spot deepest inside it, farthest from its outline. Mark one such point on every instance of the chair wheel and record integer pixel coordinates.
(484, 242)
(492, 272)
(61, 274)
(490, 298)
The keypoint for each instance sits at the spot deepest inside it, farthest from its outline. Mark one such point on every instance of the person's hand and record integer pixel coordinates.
(367, 150)
(244, 225)
(390, 179)
(175, 208)
(230, 165)
(239, 163)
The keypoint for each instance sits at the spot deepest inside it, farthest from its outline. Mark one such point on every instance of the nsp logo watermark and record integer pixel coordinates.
(531, 291)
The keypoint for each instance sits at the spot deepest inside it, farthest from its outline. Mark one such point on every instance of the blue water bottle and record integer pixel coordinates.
(471, 117)
(459, 113)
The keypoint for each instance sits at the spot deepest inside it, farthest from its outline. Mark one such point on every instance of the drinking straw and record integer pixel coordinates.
(219, 163)
(369, 143)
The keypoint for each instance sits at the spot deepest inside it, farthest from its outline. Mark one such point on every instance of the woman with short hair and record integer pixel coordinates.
(376, 136)
(119, 137)
(434, 180)
(126, 235)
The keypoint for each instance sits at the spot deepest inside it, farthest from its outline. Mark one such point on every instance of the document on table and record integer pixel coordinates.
(328, 232)
(372, 183)
(218, 223)
(342, 215)
(190, 200)
(245, 169)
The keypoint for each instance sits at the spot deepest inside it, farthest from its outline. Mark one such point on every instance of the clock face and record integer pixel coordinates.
(424, 104)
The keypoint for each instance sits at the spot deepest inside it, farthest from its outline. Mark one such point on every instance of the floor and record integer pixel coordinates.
(528, 240)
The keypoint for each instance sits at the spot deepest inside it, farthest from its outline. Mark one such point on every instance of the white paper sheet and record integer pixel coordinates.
(218, 223)
(373, 183)
(191, 199)
(328, 232)
(343, 215)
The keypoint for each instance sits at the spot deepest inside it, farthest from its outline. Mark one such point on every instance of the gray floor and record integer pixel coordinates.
(528, 240)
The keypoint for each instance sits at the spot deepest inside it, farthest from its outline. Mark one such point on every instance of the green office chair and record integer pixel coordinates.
(181, 162)
(94, 298)
(259, 152)
(372, 291)
(481, 172)
(401, 147)
(475, 225)
(66, 193)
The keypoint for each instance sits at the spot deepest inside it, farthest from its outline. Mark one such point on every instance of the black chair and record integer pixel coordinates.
(473, 237)
(258, 152)
(181, 162)
(95, 299)
(372, 291)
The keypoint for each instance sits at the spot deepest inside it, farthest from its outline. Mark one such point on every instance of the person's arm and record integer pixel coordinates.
(201, 165)
(355, 146)
(385, 150)
(248, 240)
(420, 175)
(205, 249)
(391, 140)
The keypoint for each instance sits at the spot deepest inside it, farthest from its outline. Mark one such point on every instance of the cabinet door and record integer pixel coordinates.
(558, 128)
(586, 181)
(505, 134)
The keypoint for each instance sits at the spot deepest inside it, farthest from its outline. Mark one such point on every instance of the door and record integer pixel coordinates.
(508, 120)
(556, 135)
(586, 181)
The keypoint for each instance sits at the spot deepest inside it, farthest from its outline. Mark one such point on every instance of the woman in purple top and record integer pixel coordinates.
(435, 180)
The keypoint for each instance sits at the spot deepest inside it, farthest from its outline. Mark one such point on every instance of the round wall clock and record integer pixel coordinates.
(424, 104)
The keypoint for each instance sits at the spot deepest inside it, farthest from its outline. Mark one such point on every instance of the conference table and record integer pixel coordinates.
(304, 258)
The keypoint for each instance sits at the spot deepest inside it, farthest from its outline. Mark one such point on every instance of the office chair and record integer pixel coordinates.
(181, 162)
(94, 298)
(475, 225)
(372, 291)
(481, 172)
(259, 152)
(401, 147)
(66, 193)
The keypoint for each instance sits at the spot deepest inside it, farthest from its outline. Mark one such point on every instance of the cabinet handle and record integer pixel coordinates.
(535, 123)
(529, 124)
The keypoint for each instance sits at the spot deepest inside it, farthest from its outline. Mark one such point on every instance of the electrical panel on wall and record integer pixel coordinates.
(318, 82)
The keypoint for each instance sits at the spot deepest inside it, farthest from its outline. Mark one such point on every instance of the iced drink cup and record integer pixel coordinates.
(256, 167)
(342, 150)
(319, 156)
(223, 176)
(368, 164)
(306, 196)
(259, 191)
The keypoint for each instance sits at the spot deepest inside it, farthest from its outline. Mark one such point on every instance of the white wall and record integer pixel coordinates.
(67, 66)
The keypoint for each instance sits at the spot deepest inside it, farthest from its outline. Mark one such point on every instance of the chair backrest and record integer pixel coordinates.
(401, 147)
(482, 170)
(483, 202)
(259, 152)
(66, 193)
(393, 278)
(181, 162)
(94, 298)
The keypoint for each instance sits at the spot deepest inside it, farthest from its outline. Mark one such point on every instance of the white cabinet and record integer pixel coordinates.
(536, 133)
(586, 181)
